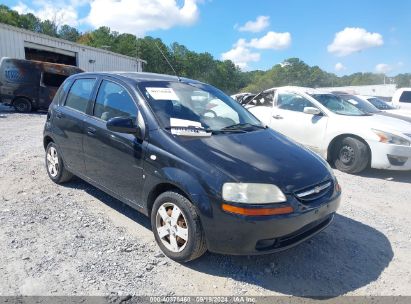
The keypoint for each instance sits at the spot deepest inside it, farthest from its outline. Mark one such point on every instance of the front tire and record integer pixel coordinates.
(22, 105)
(55, 165)
(351, 155)
(177, 228)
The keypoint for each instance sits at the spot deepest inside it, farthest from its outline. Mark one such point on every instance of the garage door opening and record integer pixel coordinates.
(43, 55)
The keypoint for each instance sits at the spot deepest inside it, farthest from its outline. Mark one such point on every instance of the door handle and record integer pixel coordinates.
(91, 131)
(59, 114)
(277, 116)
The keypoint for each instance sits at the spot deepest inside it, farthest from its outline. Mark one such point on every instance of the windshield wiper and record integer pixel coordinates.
(241, 127)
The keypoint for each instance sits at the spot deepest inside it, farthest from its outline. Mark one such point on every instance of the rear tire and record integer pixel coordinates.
(55, 165)
(172, 216)
(22, 105)
(351, 155)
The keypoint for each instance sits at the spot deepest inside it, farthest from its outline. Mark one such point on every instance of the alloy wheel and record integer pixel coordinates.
(52, 162)
(171, 226)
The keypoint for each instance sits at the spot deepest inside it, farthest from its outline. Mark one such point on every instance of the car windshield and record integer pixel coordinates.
(360, 104)
(380, 104)
(197, 106)
(338, 105)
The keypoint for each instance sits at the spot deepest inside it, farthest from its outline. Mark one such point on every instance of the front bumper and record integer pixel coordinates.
(392, 157)
(242, 235)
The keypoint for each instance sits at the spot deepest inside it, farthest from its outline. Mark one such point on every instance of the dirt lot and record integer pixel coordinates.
(76, 240)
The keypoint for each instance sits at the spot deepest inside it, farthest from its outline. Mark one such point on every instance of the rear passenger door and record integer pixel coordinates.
(114, 160)
(68, 122)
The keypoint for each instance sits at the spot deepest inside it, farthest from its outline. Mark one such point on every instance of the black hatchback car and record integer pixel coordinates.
(205, 170)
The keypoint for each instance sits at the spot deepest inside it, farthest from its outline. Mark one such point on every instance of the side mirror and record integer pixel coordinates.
(312, 111)
(123, 125)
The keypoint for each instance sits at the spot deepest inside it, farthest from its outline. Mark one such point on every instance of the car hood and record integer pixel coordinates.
(262, 156)
(379, 122)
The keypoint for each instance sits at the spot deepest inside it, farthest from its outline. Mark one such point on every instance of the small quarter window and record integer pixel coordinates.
(80, 94)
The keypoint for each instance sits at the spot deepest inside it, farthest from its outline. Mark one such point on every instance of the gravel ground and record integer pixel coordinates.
(76, 240)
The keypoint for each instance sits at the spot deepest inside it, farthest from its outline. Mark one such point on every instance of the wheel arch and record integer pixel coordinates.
(161, 188)
(46, 140)
(333, 145)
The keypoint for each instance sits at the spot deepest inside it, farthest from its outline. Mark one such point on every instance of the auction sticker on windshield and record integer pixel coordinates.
(162, 93)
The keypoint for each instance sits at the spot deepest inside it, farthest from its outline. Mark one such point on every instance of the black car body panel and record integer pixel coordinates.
(133, 169)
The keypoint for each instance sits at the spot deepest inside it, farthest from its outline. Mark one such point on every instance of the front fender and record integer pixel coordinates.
(190, 185)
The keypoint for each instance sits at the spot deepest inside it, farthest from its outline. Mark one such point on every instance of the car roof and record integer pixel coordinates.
(299, 89)
(142, 76)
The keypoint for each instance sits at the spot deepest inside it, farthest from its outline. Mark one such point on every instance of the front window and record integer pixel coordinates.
(195, 105)
(338, 105)
(293, 102)
(113, 101)
(363, 105)
(380, 104)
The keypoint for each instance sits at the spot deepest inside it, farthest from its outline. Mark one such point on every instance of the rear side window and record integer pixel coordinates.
(406, 97)
(80, 94)
(53, 80)
(113, 101)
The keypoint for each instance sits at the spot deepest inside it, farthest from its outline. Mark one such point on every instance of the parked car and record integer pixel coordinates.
(402, 99)
(336, 129)
(386, 107)
(208, 181)
(31, 85)
(367, 107)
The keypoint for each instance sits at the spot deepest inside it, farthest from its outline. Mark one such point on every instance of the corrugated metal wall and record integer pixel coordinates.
(90, 59)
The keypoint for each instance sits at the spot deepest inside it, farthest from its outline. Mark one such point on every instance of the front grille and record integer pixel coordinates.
(314, 192)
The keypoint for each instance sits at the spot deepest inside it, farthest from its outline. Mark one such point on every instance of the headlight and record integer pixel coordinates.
(252, 193)
(389, 138)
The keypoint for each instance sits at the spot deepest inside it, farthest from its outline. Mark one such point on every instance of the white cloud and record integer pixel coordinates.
(241, 55)
(272, 40)
(141, 16)
(339, 67)
(61, 12)
(351, 40)
(261, 23)
(383, 68)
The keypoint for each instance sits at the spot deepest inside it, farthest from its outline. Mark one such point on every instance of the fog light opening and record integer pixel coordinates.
(397, 160)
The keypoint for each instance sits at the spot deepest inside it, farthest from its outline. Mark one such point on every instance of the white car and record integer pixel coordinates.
(336, 129)
(402, 99)
(384, 106)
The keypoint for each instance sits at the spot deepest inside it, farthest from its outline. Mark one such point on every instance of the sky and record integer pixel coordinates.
(341, 37)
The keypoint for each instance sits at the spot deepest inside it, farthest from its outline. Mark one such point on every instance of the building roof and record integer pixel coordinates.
(78, 45)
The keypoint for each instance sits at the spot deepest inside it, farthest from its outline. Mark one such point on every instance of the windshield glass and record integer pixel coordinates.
(380, 104)
(338, 105)
(360, 104)
(196, 105)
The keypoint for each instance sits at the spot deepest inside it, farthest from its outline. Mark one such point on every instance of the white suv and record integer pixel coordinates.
(335, 128)
(402, 99)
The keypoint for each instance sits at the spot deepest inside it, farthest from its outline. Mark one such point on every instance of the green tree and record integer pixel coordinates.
(69, 33)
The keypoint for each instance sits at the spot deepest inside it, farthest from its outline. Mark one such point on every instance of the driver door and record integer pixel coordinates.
(288, 118)
(114, 160)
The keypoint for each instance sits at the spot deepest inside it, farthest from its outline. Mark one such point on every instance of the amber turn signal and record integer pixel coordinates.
(257, 211)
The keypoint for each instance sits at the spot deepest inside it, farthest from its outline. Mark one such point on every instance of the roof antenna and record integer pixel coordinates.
(165, 57)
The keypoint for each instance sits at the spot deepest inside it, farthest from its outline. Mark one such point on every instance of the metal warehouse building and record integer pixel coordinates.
(23, 44)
